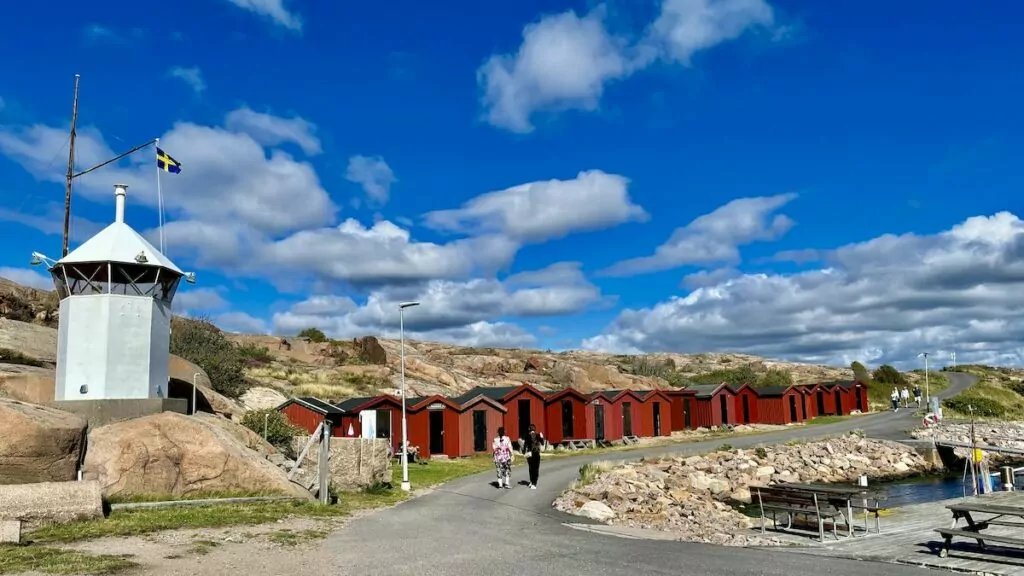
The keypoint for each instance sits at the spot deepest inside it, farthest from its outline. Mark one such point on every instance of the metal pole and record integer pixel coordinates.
(926, 394)
(325, 447)
(974, 446)
(405, 426)
(194, 376)
(71, 169)
(266, 418)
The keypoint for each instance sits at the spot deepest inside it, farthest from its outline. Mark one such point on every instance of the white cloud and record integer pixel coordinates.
(883, 300)
(193, 77)
(384, 253)
(240, 322)
(275, 10)
(271, 130)
(715, 237)
(546, 210)
(27, 277)
(448, 308)
(566, 61)
(198, 300)
(704, 278)
(374, 175)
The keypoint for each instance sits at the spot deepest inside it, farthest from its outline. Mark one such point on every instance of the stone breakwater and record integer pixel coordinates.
(696, 497)
(999, 434)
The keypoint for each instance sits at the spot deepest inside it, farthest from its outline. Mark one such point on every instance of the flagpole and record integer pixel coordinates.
(159, 197)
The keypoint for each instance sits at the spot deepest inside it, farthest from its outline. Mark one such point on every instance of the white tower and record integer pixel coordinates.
(115, 315)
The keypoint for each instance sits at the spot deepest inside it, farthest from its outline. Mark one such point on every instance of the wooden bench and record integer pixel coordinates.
(965, 510)
(796, 502)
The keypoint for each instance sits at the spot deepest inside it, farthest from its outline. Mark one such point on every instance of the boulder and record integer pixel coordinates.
(181, 373)
(38, 444)
(596, 511)
(371, 351)
(38, 342)
(51, 502)
(170, 454)
(27, 383)
(261, 398)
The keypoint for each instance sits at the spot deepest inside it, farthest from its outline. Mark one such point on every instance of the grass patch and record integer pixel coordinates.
(8, 356)
(998, 394)
(820, 420)
(203, 495)
(434, 472)
(20, 559)
(203, 547)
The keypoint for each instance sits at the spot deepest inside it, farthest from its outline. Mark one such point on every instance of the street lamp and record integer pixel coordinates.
(405, 427)
(194, 376)
(927, 396)
(38, 259)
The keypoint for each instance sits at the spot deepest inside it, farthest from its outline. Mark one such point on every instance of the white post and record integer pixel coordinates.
(266, 417)
(194, 376)
(405, 426)
(926, 394)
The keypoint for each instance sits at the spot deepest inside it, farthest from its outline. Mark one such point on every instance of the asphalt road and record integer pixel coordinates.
(469, 527)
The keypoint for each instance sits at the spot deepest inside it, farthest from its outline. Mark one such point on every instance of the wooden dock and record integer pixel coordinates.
(908, 537)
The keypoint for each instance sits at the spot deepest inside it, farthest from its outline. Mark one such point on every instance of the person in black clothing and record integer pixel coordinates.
(531, 448)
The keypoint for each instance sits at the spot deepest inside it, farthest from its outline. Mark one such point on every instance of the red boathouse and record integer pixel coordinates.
(566, 416)
(715, 406)
(654, 414)
(479, 420)
(780, 405)
(683, 401)
(524, 405)
(747, 405)
(308, 412)
(611, 414)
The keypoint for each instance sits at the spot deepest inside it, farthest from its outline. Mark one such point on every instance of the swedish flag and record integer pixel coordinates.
(166, 163)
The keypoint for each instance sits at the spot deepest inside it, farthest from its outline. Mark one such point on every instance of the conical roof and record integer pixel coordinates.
(118, 243)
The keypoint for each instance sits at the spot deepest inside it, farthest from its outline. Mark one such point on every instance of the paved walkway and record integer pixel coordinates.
(469, 528)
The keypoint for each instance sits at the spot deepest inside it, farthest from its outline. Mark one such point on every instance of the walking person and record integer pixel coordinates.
(531, 448)
(895, 399)
(501, 447)
(917, 395)
(905, 396)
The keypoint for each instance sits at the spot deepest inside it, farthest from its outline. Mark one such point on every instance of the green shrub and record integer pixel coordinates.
(983, 407)
(887, 374)
(279, 430)
(761, 452)
(775, 377)
(201, 343)
(313, 335)
(255, 355)
(860, 372)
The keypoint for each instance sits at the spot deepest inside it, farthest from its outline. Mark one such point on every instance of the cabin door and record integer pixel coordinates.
(567, 419)
(524, 417)
(437, 431)
(792, 409)
(627, 418)
(746, 409)
(657, 418)
(479, 430)
(599, 422)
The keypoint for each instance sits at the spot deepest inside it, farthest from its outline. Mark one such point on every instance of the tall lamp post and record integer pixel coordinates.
(927, 396)
(405, 427)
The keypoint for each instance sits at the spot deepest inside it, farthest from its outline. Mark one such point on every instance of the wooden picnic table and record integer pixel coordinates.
(1000, 515)
(843, 497)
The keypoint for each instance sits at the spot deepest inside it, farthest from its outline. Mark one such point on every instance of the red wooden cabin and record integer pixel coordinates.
(780, 405)
(855, 397)
(683, 402)
(350, 423)
(308, 412)
(566, 415)
(747, 405)
(814, 400)
(611, 414)
(655, 414)
(524, 405)
(837, 401)
(432, 422)
(716, 405)
(479, 420)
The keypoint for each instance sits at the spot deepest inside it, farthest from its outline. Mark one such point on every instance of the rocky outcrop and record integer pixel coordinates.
(261, 398)
(181, 372)
(170, 454)
(694, 496)
(27, 383)
(371, 351)
(37, 342)
(38, 444)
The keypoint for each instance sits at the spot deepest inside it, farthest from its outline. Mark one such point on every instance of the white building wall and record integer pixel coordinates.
(115, 345)
(82, 352)
(159, 346)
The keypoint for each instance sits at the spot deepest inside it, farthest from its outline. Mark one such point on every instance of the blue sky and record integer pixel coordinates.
(516, 166)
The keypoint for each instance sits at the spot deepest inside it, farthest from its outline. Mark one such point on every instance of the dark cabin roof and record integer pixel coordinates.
(498, 393)
(706, 390)
(843, 383)
(772, 391)
(319, 406)
(353, 403)
(471, 396)
(610, 394)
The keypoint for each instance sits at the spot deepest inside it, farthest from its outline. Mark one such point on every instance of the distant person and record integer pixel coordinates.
(905, 396)
(895, 399)
(917, 396)
(532, 444)
(503, 454)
